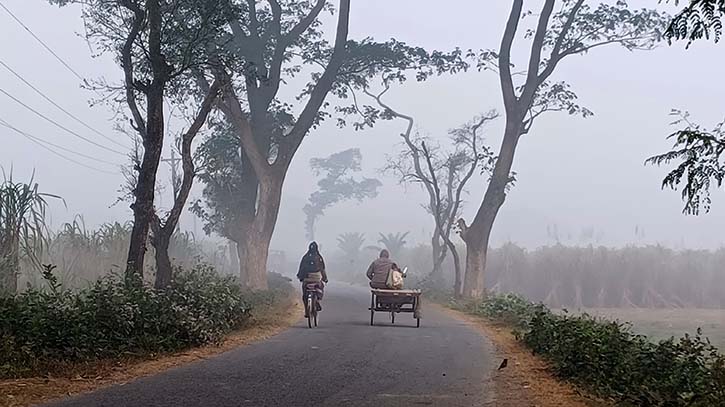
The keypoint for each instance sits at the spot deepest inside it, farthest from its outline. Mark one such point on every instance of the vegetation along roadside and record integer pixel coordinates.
(58, 342)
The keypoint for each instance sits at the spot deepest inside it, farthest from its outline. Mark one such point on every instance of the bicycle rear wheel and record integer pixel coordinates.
(310, 310)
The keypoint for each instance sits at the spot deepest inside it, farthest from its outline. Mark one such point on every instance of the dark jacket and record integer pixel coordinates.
(311, 263)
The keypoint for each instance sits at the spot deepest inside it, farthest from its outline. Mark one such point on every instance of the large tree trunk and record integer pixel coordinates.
(143, 206)
(439, 255)
(477, 235)
(476, 253)
(254, 250)
(152, 132)
(253, 254)
(164, 270)
(458, 276)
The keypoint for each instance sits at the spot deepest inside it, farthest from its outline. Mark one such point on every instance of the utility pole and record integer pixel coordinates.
(175, 181)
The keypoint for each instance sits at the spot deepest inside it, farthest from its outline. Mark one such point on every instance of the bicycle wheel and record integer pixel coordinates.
(310, 310)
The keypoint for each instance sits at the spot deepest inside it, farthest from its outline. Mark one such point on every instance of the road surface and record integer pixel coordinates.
(343, 362)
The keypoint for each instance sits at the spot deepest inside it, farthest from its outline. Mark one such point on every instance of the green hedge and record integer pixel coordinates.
(110, 319)
(609, 360)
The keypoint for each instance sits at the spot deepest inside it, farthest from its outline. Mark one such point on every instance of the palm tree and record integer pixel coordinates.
(394, 242)
(351, 244)
(23, 231)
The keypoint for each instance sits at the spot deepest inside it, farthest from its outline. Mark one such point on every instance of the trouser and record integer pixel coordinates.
(319, 286)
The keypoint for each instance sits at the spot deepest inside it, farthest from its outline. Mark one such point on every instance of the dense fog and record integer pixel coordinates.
(573, 174)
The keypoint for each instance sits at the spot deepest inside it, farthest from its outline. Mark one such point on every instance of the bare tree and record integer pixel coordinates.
(443, 173)
(572, 28)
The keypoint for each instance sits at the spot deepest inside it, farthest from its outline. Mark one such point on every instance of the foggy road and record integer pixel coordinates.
(344, 362)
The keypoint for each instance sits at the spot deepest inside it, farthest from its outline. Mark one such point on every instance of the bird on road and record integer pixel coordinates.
(504, 364)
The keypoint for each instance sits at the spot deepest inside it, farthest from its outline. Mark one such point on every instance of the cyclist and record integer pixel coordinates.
(312, 271)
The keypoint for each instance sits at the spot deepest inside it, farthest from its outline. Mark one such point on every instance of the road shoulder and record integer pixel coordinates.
(526, 380)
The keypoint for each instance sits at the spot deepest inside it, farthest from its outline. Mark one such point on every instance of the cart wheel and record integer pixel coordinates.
(372, 316)
(392, 318)
(417, 323)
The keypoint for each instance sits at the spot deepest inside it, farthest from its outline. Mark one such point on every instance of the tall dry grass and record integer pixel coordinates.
(83, 255)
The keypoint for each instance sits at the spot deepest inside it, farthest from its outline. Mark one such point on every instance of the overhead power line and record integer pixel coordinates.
(40, 144)
(73, 71)
(67, 150)
(18, 101)
(71, 115)
(50, 50)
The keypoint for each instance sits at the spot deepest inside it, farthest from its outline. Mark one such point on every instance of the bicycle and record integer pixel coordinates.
(311, 303)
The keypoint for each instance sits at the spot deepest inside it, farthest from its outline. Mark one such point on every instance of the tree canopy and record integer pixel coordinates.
(336, 185)
(698, 151)
(699, 19)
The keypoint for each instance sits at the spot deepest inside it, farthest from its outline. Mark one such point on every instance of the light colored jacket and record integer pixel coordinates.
(378, 272)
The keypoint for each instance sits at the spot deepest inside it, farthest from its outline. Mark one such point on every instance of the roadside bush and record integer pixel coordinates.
(511, 309)
(609, 360)
(110, 319)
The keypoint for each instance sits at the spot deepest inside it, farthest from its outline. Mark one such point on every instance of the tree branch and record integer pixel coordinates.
(504, 57)
(532, 78)
(234, 111)
(556, 55)
(127, 65)
(305, 23)
(292, 141)
(187, 161)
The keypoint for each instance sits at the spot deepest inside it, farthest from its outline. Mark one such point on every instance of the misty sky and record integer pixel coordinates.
(574, 173)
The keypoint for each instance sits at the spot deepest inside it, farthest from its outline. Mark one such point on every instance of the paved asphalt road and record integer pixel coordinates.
(343, 362)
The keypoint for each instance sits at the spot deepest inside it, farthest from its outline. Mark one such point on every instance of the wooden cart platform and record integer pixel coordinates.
(395, 302)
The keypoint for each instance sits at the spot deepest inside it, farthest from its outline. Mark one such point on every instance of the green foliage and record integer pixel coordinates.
(188, 28)
(700, 19)
(511, 309)
(608, 359)
(110, 319)
(701, 167)
(225, 179)
(336, 186)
